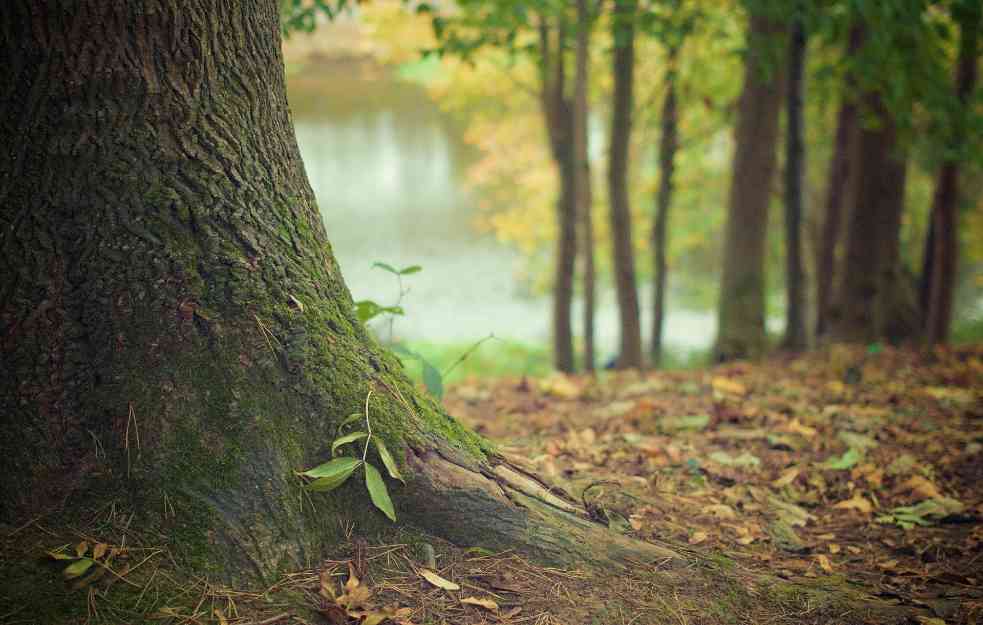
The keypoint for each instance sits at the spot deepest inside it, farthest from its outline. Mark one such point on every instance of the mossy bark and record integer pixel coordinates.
(176, 335)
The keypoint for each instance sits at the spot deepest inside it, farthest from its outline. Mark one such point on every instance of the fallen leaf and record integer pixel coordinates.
(437, 580)
(787, 477)
(99, 550)
(921, 486)
(857, 502)
(698, 537)
(487, 604)
(81, 548)
(719, 510)
(833, 548)
(824, 563)
(725, 385)
(795, 426)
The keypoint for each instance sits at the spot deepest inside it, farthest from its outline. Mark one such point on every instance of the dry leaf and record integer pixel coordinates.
(725, 385)
(721, 511)
(99, 550)
(698, 537)
(857, 502)
(327, 585)
(437, 580)
(220, 617)
(921, 486)
(487, 604)
(795, 426)
(825, 563)
(81, 548)
(787, 477)
(833, 548)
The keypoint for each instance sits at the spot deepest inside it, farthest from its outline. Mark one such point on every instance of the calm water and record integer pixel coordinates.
(388, 171)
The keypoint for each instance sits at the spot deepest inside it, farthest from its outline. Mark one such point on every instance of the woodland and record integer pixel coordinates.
(207, 420)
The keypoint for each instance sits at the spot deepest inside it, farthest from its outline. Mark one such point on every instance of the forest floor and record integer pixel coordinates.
(843, 486)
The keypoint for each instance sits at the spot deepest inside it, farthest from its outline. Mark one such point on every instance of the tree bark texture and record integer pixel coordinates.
(942, 246)
(581, 111)
(622, 245)
(558, 115)
(875, 300)
(842, 166)
(741, 310)
(176, 336)
(795, 329)
(668, 145)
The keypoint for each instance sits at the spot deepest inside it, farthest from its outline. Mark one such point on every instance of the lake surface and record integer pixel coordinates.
(387, 167)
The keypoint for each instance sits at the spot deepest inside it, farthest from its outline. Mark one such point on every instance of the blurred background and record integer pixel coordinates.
(473, 139)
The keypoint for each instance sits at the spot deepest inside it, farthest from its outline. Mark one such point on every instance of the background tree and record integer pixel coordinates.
(176, 335)
(795, 329)
(623, 255)
(741, 314)
(942, 245)
(581, 115)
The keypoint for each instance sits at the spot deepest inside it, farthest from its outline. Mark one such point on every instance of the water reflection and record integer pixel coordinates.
(387, 168)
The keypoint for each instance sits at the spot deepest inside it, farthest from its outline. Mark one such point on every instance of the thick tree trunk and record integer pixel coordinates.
(584, 196)
(842, 166)
(795, 329)
(741, 310)
(622, 244)
(668, 144)
(558, 115)
(176, 336)
(875, 301)
(942, 246)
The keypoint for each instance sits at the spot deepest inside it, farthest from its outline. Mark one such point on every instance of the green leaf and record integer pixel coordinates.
(378, 491)
(335, 467)
(347, 438)
(846, 461)
(77, 568)
(388, 460)
(352, 418)
(402, 350)
(366, 310)
(386, 267)
(406, 271)
(432, 379)
(336, 478)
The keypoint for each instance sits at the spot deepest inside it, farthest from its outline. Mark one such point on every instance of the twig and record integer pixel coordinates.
(465, 355)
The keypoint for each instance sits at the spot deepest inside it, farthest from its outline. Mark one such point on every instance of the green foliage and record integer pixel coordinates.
(301, 15)
(332, 474)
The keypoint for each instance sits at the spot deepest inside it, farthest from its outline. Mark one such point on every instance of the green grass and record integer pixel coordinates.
(967, 331)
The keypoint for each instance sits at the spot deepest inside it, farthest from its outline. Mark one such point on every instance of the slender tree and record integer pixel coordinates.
(741, 314)
(668, 145)
(795, 329)
(841, 164)
(175, 334)
(942, 244)
(623, 70)
(581, 113)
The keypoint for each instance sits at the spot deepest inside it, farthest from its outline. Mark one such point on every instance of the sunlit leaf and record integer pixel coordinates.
(388, 460)
(77, 568)
(378, 491)
(487, 604)
(347, 438)
(437, 580)
(840, 463)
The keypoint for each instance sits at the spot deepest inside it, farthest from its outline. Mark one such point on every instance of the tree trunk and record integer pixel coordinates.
(795, 329)
(623, 69)
(874, 301)
(176, 336)
(668, 144)
(741, 311)
(842, 166)
(942, 248)
(583, 183)
(558, 115)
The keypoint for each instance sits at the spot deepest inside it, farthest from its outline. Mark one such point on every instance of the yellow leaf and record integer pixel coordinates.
(726, 385)
(825, 563)
(921, 486)
(795, 426)
(833, 548)
(220, 617)
(786, 478)
(721, 511)
(857, 502)
(437, 580)
(487, 604)
(99, 550)
(698, 537)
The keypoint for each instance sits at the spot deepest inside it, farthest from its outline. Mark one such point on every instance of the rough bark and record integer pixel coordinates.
(176, 336)
(558, 115)
(622, 245)
(942, 245)
(795, 329)
(741, 311)
(875, 300)
(841, 166)
(583, 183)
(668, 144)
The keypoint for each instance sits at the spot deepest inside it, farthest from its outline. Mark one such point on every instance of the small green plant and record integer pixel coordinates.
(367, 309)
(332, 474)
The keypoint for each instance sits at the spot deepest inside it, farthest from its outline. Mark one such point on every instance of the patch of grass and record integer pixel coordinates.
(966, 331)
(494, 358)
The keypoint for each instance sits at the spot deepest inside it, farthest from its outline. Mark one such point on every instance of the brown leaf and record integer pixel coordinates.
(698, 537)
(437, 580)
(327, 586)
(487, 604)
(99, 550)
(857, 502)
(787, 477)
(81, 548)
(921, 486)
(719, 510)
(825, 563)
